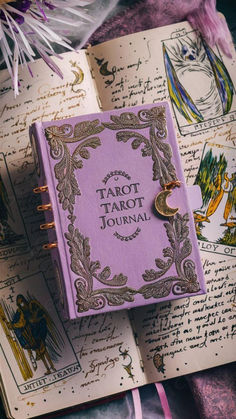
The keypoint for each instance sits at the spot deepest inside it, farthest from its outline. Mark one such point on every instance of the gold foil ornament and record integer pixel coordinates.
(79, 76)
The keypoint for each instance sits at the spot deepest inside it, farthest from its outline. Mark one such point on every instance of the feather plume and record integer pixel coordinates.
(29, 26)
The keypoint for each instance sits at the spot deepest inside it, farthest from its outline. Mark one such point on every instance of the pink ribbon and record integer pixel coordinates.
(163, 399)
(137, 403)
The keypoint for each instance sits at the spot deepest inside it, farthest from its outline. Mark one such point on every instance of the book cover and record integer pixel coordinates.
(124, 229)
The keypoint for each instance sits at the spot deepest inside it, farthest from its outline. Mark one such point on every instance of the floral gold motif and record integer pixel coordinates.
(180, 248)
(153, 146)
(84, 133)
(87, 271)
(158, 283)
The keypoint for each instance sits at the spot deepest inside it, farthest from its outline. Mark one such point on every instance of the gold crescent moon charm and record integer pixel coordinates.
(160, 201)
(161, 205)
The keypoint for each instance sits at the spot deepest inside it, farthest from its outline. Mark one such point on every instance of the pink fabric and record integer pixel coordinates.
(212, 26)
(164, 402)
(148, 14)
(137, 403)
(214, 391)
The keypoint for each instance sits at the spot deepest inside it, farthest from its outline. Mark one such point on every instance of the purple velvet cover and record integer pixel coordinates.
(103, 173)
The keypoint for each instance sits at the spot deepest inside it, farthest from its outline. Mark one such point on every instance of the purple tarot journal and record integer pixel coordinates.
(120, 223)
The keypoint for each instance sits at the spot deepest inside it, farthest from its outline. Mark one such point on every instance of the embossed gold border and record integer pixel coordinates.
(116, 293)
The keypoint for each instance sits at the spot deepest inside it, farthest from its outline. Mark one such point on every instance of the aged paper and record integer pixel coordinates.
(191, 334)
(175, 64)
(43, 357)
(197, 333)
(43, 97)
(54, 359)
(169, 63)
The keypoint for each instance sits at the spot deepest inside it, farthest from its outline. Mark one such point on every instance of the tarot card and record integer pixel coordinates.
(200, 87)
(13, 236)
(34, 342)
(216, 219)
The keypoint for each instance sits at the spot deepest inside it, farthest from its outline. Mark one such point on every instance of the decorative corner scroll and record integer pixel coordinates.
(185, 280)
(84, 133)
(114, 295)
(153, 146)
(158, 283)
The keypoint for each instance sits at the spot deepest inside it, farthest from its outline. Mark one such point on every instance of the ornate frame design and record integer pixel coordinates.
(116, 293)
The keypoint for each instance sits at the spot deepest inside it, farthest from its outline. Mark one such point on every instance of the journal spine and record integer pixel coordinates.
(47, 190)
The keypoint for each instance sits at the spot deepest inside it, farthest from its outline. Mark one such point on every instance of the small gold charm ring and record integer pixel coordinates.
(41, 189)
(45, 207)
(50, 246)
(47, 226)
(161, 199)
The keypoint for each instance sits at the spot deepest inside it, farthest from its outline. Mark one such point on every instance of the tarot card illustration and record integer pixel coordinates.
(199, 84)
(34, 342)
(13, 237)
(216, 220)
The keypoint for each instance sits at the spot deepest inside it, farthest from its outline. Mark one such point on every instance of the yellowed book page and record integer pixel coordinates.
(42, 97)
(191, 334)
(174, 63)
(48, 363)
(138, 68)
(45, 96)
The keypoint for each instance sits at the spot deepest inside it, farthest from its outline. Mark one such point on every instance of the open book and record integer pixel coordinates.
(48, 363)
